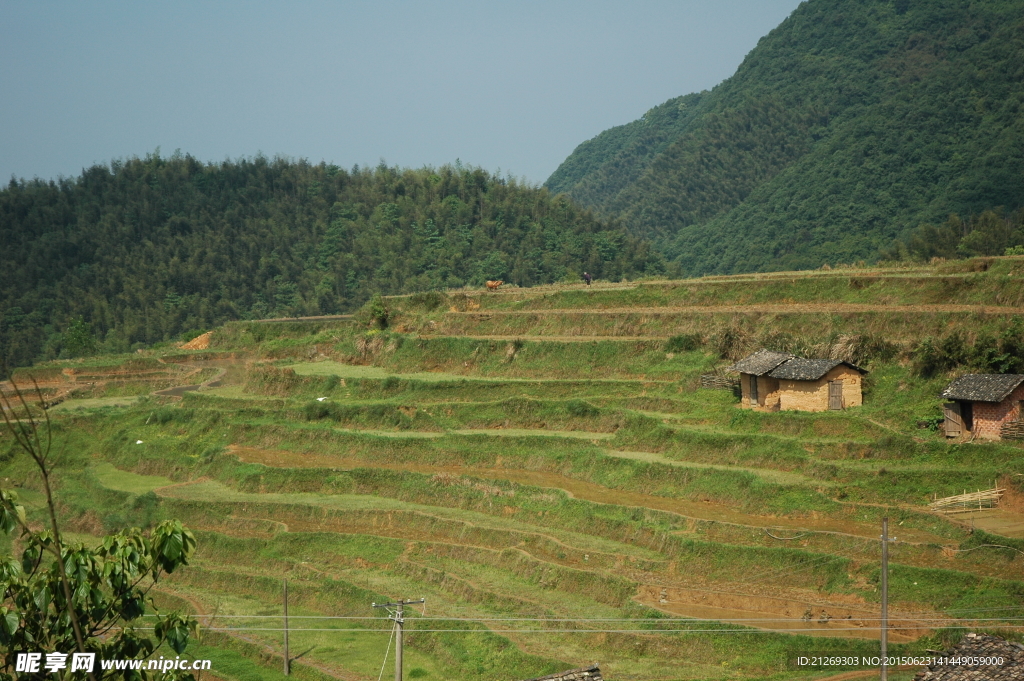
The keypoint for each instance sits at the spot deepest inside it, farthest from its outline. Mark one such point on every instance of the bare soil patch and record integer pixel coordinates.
(200, 342)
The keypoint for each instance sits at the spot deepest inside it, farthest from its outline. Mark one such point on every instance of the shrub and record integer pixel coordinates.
(315, 411)
(686, 342)
(167, 414)
(380, 314)
(428, 300)
(582, 409)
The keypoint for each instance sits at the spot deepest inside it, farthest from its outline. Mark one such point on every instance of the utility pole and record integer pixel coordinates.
(287, 666)
(884, 671)
(398, 616)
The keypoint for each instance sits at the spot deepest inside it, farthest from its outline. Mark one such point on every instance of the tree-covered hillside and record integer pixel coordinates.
(847, 126)
(148, 249)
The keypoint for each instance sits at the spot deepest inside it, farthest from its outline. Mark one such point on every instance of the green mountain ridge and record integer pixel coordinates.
(149, 250)
(848, 125)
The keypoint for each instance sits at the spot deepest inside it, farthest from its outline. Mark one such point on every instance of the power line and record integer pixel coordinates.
(759, 630)
(936, 618)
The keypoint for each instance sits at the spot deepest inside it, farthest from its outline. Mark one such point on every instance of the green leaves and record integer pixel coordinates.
(175, 631)
(9, 624)
(109, 584)
(12, 515)
(171, 545)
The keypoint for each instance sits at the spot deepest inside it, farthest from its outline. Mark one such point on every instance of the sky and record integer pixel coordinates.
(508, 86)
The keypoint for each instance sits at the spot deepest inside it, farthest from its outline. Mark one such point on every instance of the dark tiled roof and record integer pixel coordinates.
(982, 387)
(799, 369)
(979, 646)
(592, 673)
(760, 363)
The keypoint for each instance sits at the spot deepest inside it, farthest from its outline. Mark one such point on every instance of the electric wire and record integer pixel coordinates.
(386, 651)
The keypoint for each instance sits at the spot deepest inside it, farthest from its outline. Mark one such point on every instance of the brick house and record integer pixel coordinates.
(591, 673)
(983, 405)
(774, 381)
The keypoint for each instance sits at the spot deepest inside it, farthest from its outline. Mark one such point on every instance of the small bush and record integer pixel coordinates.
(167, 414)
(582, 409)
(210, 453)
(380, 314)
(316, 411)
(686, 342)
(428, 300)
(729, 343)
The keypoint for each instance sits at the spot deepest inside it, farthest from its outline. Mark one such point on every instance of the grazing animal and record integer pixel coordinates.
(493, 285)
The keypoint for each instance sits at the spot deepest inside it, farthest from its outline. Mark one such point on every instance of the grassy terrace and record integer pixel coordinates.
(542, 458)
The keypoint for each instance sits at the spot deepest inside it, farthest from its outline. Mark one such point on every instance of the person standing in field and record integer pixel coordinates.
(587, 278)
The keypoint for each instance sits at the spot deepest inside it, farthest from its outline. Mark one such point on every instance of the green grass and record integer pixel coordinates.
(125, 481)
(542, 478)
(95, 403)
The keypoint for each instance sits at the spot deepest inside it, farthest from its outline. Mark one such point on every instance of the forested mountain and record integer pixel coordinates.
(849, 125)
(148, 249)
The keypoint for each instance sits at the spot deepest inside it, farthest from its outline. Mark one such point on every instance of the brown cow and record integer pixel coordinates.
(493, 285)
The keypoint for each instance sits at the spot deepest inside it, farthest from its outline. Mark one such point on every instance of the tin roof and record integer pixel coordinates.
(982, 387)
(760, 363)
(800, 369)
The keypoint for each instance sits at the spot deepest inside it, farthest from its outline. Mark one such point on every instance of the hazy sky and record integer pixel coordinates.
(509, 85)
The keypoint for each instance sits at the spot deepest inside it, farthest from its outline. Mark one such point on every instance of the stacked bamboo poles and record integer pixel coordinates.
(968, 501)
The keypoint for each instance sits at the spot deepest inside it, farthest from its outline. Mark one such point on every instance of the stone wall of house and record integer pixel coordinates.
(813, 395)
(989, 417)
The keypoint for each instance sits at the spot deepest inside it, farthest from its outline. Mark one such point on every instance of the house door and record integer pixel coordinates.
(835, 395)
(953, 423)
(753, 390)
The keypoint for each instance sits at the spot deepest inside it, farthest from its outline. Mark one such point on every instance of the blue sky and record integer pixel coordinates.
(509, 85)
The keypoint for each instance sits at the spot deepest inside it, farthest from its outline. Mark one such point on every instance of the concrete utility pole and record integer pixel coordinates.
(884, 670)
(398, 616)
(287, 665)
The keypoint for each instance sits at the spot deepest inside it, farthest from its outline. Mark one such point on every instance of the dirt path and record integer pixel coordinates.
(761, 308)
(179, 390)
(560, 339)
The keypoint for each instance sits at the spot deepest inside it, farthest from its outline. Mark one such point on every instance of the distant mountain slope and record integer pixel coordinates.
(148, 249)
(847, 125)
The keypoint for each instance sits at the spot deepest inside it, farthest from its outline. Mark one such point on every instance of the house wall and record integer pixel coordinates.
(767, 392)
(989, 417)
(813, 395)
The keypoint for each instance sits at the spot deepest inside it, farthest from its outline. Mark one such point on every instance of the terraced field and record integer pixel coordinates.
(542, 467)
